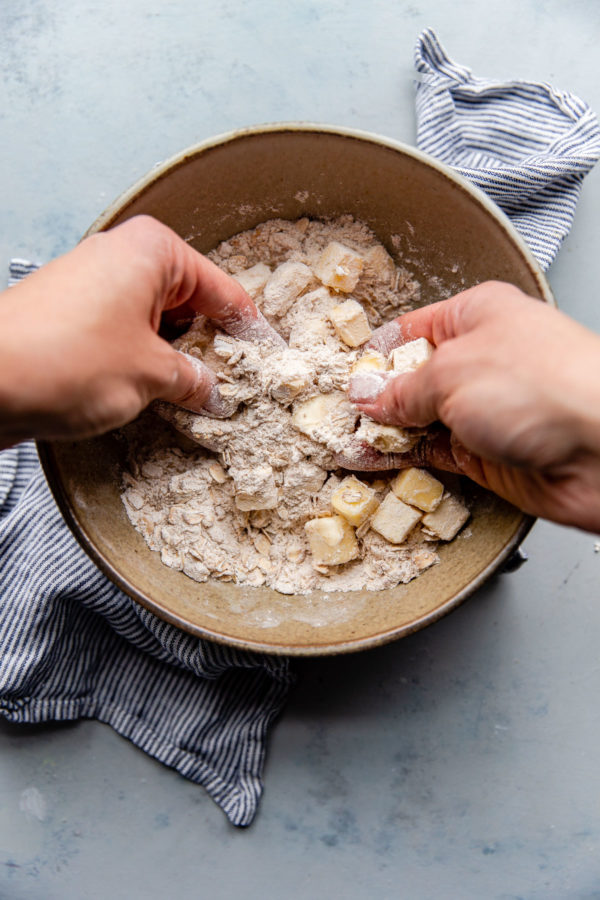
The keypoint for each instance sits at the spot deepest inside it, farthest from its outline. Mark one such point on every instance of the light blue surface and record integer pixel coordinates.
(461, 762)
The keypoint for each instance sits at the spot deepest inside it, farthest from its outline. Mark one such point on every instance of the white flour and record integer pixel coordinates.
(197, 507)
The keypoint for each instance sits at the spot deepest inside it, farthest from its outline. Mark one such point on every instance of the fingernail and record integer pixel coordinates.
(215, 405)
(366, 387)
(257, 331)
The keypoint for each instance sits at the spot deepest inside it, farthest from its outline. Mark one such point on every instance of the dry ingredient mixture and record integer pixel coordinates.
(242, 504)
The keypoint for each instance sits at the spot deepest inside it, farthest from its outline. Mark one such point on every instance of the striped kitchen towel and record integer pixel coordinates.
(526, 144)
(74, 646)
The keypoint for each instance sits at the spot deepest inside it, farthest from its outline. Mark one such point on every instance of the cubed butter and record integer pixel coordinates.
(350, 322)
(394, 520)
(290, 377)
(370, 361)
(418, 488)
(339, 267)
(385, 438)
(332, 540)
(409, 357)
(313, 414)
(446, 521)
(284, 286)
(309, 330)
(379, 263)
(254, 279)
(354, 500)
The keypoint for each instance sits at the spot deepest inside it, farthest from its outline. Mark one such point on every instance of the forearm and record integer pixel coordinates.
(18, 372)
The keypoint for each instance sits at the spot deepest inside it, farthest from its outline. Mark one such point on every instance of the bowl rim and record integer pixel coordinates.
(45, 448)
(160, 169)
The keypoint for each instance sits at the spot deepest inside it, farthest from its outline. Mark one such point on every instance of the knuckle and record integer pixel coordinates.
(116, 408)
(151, 239)
(146, 225)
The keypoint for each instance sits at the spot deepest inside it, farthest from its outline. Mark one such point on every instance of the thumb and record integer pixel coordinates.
(409, 399)
(196, 387)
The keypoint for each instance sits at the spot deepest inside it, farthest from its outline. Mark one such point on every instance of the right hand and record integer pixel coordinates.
(517, 384)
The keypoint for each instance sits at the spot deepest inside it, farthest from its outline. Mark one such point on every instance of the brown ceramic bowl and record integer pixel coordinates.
(452, 236)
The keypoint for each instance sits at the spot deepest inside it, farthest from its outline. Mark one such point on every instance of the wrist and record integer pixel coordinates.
(582, 402)
(24, 380)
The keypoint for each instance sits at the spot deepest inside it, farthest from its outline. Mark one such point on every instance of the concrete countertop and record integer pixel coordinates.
(460, 762)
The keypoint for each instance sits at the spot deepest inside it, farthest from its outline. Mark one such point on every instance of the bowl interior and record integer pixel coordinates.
(441, 231)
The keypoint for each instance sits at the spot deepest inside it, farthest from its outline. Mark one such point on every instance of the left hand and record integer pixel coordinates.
(79, 349)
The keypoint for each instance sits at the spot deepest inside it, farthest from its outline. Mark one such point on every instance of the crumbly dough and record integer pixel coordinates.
(234, 507)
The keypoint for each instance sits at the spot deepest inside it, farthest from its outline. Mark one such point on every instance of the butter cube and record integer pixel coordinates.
(311, 329)
(254, 279)
(339, 267)
(394, 520)
(385, 438)
(284, 286)
(255, 488)
(446, 521)
(379, 264)
(332, 540)
(410, 356)
(317, 412)
(354, 500)
(419, 488)
(291, 376)
(370, 361)
(350, 322)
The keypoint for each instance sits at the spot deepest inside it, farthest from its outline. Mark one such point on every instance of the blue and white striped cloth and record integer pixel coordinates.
(528, 145)
(72, 645)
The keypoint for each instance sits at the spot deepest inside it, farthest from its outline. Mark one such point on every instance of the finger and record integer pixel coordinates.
(195, 387)
(385, 338)
(169, 413)
(411, 399)
(358, 456)
(408, 327)
(180, 277)
(433, 450)
(438, 322)
(258, 331)
(208, 290)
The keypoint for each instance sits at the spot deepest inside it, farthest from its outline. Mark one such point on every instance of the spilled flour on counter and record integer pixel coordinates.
(233, 505)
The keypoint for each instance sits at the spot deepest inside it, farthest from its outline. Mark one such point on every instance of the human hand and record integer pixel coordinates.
(517, 384)
(79, 349)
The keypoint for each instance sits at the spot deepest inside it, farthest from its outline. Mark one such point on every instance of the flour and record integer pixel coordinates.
(233, 505)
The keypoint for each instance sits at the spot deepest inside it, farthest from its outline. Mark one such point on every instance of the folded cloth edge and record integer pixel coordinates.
(239, 805)
(539, 190)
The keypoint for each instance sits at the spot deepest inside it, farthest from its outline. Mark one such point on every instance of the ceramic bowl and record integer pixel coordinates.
(450, 235)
